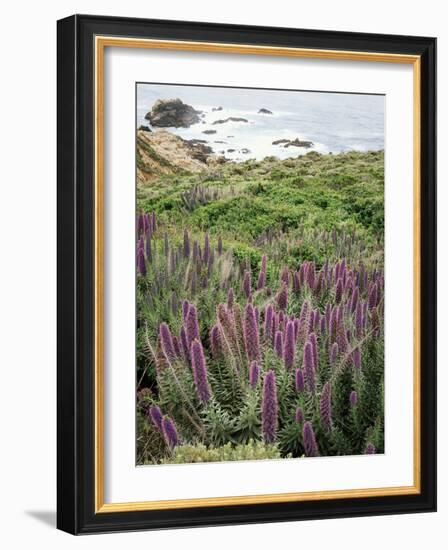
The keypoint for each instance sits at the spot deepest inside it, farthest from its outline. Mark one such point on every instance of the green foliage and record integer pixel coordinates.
(313, 208)
(187, 454)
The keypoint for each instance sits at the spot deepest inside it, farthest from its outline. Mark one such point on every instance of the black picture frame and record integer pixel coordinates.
(76, 254)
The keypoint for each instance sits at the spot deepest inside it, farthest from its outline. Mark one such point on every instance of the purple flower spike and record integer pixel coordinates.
(325, 406)
(354, 299)
(206, 248)
(300, 381)
(268, 321)
(373, 296)
(334, 353)
(359, 320)
(185, 308)
(339, 291)
(186, 244)
(170, 432)
(219, 245)
(230, 298)
(308, 367)
(269, 408)
(141, 243)
(278, 344)
(282, 297)
(192, 325)
(353, 398)
(299, 415)
(184, 342)
(215, 345)
(200, 372)
(251, 335)
(309, 440)
(166, 340)
(141, 263)
(356, 357)
(262, 275)
(313, 339)
(156, 416)
(140, 224)
(254, 374)
(370, 449)
(247, 284)
(289, 350)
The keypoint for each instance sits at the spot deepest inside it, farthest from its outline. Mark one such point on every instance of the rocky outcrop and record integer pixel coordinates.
(264, 111)
(294, 143)
(144, 128)
(230, 119)
(172, 113)
(163, 153)
(209, 132)
(214, 109)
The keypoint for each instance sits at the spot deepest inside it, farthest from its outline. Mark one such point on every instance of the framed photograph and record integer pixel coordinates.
(247, 274)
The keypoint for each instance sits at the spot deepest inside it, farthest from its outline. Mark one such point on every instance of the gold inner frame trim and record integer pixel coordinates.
(101, 42)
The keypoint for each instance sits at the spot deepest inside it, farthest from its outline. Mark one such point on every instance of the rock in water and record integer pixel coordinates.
(264, 111)
(217, 109)
(144, 128)
(172, 113)
(230, 119)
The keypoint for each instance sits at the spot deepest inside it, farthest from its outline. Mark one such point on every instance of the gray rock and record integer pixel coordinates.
(230, 119)
(264, 111)
(172, 113)
(209, 132)
(144, 128)
(214, 109)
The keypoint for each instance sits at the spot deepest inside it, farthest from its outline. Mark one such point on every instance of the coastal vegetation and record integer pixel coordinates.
(260, 300)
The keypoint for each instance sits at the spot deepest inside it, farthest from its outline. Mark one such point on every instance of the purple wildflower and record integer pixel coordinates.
(334, 350)
(370, 449)
(262, 275)
(339, 291)
(269, 408)
(308, 366)
(192, 325)
(170, 432)
(200, 372)
(373, 296)
(140, 224)
(354, 299)
(251, 335)
(184, 342)
(289, 350)
(325, 406)
(166, 340)
(215, 345)
(313, 339)
(353, 398)
(206, 248)
(247, 284)
(254, 374)
(230, 298)
(141, 263)
(185, 308)
(309, 440)
(300, 381)
(282, 297)
(186, 244)
(356, 357)
(219, 245)
(278, 343)
(299, 415)
(156, 416)
(269, 311)
(359, 320)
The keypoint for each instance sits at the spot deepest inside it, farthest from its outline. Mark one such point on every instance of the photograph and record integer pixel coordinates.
(259, 274)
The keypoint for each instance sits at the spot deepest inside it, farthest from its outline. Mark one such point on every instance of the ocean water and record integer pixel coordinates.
(334, 122)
